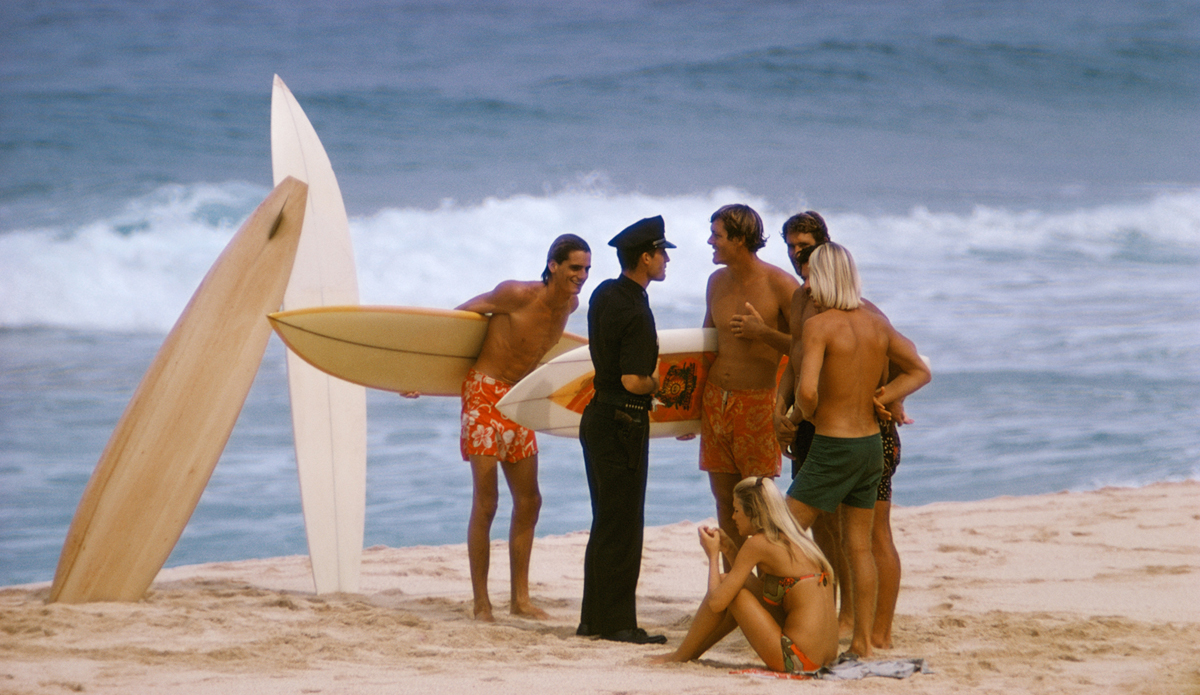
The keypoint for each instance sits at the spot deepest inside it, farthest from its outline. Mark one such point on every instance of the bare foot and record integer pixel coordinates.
(668, 658)
(526, 609)
(846, 629)
(483, 612)
(881, 642)
(862, 650)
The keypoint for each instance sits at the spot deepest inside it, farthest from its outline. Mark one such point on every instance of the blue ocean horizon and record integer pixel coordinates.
(1017, 181)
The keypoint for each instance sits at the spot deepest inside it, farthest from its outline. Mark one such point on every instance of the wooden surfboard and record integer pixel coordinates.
(329, 416)
(393, 348)
(552, 398)
(166, 444)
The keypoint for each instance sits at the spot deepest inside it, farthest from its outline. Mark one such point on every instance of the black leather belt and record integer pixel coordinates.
(623, 401)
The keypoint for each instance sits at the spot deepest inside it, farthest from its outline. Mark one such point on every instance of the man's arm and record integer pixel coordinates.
(914, 373)
(640, 385)
(810, 368)
(752, 326)
(785, 395)
(893, 411)
(785, 392)
(708, 299)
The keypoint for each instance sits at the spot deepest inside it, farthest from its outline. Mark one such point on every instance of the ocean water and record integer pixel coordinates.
(1018, 181)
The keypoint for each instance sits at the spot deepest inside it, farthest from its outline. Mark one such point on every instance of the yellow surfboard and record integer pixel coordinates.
(393, 348)
(166, 444)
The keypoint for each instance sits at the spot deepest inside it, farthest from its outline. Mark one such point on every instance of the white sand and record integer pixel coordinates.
(1093, 592)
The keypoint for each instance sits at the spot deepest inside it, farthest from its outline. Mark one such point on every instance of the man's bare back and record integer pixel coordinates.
(802, 309)
(851, 362)
(845, 356)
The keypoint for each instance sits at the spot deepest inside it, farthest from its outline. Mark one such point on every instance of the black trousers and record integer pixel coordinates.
(615, 455)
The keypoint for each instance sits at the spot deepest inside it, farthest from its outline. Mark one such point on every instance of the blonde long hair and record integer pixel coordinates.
(767, 512)
(833, 279)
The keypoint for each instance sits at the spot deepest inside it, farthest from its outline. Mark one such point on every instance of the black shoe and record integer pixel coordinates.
(583, 631)
(634, 636)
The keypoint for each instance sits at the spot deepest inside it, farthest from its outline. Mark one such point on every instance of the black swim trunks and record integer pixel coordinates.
(801, 444)
(891, 459)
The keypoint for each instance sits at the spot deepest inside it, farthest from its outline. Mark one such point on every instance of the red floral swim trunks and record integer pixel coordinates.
(485, 432)
(737, 432)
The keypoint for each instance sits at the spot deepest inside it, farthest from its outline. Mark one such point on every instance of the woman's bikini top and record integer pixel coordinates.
(775, 588)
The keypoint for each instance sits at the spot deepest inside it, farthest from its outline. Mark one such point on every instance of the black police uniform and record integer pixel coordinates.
(614, 432)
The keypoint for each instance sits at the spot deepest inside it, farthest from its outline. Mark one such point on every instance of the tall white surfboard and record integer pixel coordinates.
(329, 416)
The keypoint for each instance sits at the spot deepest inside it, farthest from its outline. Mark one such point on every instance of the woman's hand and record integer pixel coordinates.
(728, 547)
(710, 540)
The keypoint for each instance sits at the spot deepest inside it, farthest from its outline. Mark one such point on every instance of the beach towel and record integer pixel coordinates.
(848, 670)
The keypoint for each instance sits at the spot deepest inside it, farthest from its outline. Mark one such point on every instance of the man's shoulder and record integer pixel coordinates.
(872, 309)
(514, 295)
(828, 320)
(619, 285)
(516, 288)
(522, 286)
(608, 293)
(718, 280)
(604, 288)
(779, 277)
(776, 277)
(864, 317)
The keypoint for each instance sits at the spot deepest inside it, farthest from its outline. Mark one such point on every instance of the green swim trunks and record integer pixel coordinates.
(840, 471)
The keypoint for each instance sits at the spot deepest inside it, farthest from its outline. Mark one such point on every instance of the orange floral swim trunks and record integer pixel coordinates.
(485, 432)
(737, 432)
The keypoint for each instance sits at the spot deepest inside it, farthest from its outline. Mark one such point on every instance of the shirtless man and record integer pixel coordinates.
(803, 233)
(525, 320)
(846, 352)
(747, 302)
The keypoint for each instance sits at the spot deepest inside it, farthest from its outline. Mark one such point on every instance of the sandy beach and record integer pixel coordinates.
(1095, 592)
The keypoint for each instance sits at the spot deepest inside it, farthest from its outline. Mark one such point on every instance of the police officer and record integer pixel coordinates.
(613, 431)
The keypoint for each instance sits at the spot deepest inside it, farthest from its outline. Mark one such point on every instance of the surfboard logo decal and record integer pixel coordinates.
(679, 385)
(576, 395)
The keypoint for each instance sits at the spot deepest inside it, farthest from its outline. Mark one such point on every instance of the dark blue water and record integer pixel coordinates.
(1018, 181)
(847, 104)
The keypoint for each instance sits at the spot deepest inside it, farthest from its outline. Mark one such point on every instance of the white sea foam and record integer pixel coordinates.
(136, 270)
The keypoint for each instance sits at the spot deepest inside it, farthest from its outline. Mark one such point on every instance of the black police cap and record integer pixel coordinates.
(648, 232)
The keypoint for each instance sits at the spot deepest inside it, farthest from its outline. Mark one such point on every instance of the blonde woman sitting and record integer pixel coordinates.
(787, 611)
